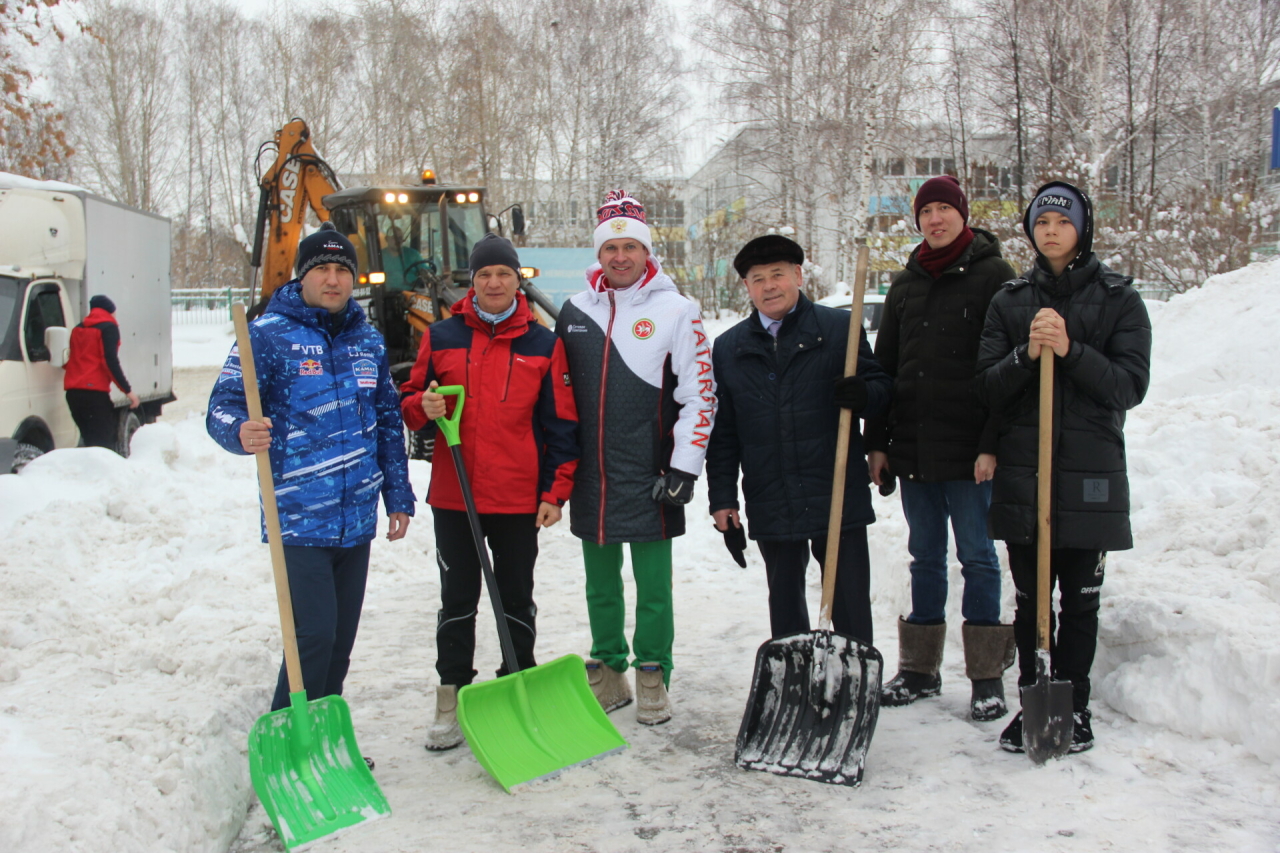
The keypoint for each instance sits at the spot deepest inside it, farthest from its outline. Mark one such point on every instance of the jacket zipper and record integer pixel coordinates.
(511, 358)
(333, 374)
(604, 380)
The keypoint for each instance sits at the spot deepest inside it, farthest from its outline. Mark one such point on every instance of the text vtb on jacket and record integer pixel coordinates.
(337, 440)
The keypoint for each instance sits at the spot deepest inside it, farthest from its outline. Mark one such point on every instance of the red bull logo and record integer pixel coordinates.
(310, 367)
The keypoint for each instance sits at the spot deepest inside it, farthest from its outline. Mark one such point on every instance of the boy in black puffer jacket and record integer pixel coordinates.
(1097, 326)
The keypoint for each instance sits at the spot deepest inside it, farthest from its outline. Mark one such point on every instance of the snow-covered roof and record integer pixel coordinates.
(10, 181)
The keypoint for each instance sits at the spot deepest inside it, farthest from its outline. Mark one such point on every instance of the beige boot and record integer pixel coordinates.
(654, 705)
(609, 686)
(444, 732)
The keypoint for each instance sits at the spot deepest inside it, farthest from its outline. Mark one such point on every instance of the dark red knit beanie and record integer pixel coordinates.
(945, 189)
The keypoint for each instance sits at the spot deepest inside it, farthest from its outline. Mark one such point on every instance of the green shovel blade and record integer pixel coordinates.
(532, 724)
(307, 770)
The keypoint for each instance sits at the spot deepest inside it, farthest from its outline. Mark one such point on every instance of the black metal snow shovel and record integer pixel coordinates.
(1047, 724)
(529, 724)
(815, 696)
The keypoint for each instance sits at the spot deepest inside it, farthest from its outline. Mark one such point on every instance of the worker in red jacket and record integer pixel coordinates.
(519, 439)
(93, 365)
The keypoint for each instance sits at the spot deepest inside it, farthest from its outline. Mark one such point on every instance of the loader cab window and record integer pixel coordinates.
(400, 242)
(10, 294)
(409, 240)
(44, 309)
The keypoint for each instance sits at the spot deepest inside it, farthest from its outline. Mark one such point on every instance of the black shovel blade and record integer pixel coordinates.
(1047, 724)
(814, 701)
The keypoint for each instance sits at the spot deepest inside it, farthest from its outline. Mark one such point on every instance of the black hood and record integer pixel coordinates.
(1086, 239)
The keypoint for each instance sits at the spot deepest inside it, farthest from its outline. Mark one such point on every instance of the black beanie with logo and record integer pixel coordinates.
(326, 246)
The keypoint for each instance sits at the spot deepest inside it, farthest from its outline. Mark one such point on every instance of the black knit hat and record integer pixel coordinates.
(326, 246)
(492, 250)
(769, 249)
(103, 302)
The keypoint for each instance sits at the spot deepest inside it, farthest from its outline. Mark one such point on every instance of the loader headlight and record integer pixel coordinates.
(389, 198)
(403, 198)
(377, 278)
(460, 198)
(473, 197)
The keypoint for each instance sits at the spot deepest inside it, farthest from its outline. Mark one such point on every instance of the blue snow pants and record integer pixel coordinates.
(327, 589)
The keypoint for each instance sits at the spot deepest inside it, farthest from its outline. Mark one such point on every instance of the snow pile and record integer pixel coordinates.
(1190, 625)
(138, 643)
(204, 345)
(134, 646)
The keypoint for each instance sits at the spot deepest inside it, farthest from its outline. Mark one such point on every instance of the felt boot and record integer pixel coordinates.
(919, 658)
(988, 651)
(444, 732)
(609, 686)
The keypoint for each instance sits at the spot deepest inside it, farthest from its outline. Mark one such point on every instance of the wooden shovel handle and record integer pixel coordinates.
(270, 511)
(1044, 499)
(834, 521)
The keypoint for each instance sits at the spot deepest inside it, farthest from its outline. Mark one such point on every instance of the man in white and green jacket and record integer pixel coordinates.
(640, 364)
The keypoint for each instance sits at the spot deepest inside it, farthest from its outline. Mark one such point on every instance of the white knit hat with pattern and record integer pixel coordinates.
(621, 216)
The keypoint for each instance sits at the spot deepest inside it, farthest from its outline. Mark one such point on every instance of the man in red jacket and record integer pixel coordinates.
(93, 365)
(520, 445)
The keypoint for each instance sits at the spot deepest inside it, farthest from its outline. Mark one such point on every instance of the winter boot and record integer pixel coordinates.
(1011, 737)
(988, 651)
(609, 686)
(654, 706)
(919, 657)
(1082, 735)
(444, 732)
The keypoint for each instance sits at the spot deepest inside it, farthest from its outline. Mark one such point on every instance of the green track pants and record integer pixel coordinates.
(655, 621)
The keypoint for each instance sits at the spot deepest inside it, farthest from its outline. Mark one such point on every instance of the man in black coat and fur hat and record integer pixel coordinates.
(780, 378)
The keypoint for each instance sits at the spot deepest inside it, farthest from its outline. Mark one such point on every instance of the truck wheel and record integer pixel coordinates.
(24, 454)
(129, 424)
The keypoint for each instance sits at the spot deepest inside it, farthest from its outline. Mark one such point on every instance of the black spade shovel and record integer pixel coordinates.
(1047, 725)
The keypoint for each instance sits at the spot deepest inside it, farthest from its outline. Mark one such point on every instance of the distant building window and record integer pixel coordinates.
(672, 253)
(933, 166)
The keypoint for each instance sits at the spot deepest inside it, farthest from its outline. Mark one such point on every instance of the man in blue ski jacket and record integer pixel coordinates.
(333, 431)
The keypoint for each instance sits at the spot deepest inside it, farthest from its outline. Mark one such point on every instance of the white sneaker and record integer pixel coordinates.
(444, 732)
(609, 686)
(654, 705)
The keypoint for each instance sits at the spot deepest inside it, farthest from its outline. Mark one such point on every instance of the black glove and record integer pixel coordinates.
(735, 539)
(851, 393)
(674, 488)
(888, 483)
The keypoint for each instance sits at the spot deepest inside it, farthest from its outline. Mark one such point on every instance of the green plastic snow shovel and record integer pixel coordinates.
(304, 761)
(530, 724)
(1047, 724)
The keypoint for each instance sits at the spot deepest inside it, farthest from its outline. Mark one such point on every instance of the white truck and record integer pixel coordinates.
(59, 246)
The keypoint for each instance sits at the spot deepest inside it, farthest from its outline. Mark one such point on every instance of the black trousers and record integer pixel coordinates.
(1073, 631)
(513, 543)
(786, 562)
(95, 417)
(326, 586)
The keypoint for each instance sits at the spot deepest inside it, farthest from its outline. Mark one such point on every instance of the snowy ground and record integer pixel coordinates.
(138, 643)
